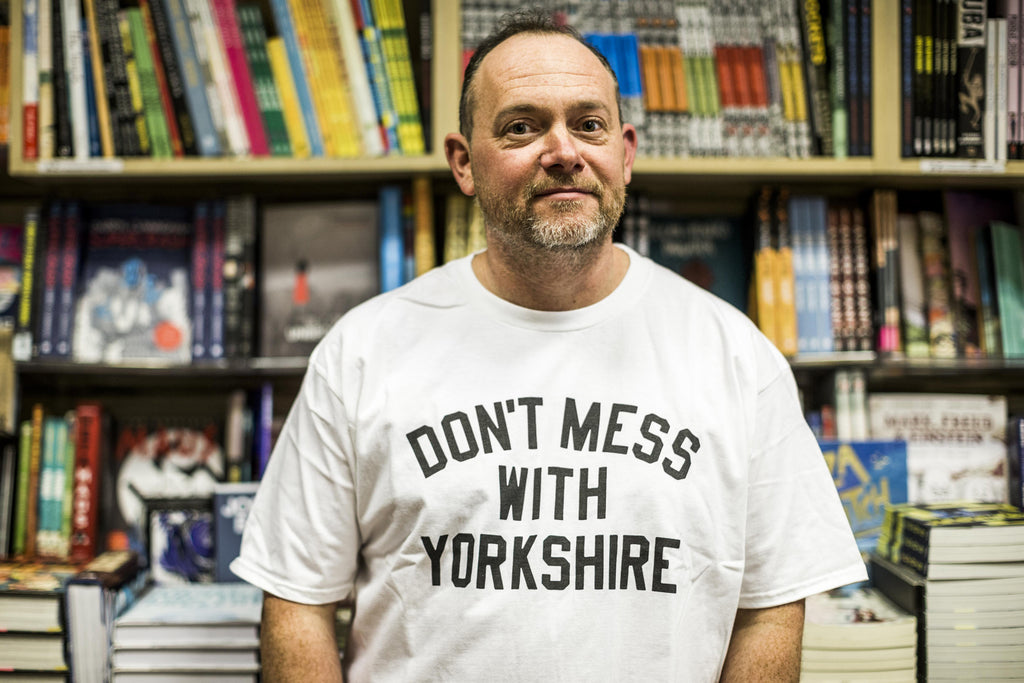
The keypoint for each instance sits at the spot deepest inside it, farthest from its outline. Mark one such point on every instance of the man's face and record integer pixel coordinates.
(549, 158)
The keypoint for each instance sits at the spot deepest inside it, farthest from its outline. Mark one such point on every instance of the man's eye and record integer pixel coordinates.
(591, 126)
(519, 128)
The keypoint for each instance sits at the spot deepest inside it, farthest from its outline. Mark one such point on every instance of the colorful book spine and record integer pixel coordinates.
(70, 255)
(358, 78)
(373, 57)
(207, 140)
(970, 133)
(30, 80)
(44, 46)
(95, 54)
(223, 89)
(163, 43)
(86, 474)
(202, 45)
(24, 322)
(23, 489)
(1007, 245)
(51, 281)
(200, 281)
(92, 120)
(286, 30)
(71, 17)
(215, 305)
(131, 67)
(254, 37)
(149, 89)
(392, 241)
(234, 47)
(293, 117)
(61, 105)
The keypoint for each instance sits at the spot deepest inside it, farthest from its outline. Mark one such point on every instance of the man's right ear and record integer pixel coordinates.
(456, 151)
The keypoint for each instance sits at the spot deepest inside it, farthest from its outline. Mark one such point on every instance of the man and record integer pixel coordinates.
(552, 460)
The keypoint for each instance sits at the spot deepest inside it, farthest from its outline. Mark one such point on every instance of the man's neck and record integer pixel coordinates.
(547, 280)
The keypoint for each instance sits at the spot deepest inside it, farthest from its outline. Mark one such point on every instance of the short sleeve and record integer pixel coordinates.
(301, 539)
(799, 541)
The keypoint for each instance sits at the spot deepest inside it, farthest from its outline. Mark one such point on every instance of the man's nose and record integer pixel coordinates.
(561, 150)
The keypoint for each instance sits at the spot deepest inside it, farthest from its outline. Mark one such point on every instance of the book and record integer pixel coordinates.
(25, 342)
(290, 108)
(71, 19)
(30, 596)
(161, 77)
(8, 477)
(366, 114)
(870, 476)
(135, 291)
(70, 253)
(169, 77)
(955, 448)
(913, 304)
(194, 88)
(254, 38)
(223, 12)
(172, 457)
(50, 280)
(317, 264)
(103, 589)
(1008, 271)
(121, 114)
(179, 538)
(296, 63)
(392, 238)
(938, 288)
(1015, 459)
(195, 615)
(184, 677)
(970, 77)
(860, 619)
(91, 435)
(99, 100)
(231, 505)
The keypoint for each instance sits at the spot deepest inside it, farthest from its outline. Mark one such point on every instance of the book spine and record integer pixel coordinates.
(970, 141)
(215, 291)
(254, 37)
(30, 81)
(140, 124)
(71, 18)
(821, 273)
(783, 278)
(988, 304)
(163, 88)
(163, 43)
(1002, 96)
(424, 249)
(86, 475)
(31, 250)
(123, 118)
(913, 313)
(51, 280)
(937, 293)
(835, 29)
(92, 119)
(200, 284)
(866, 88)
(247, 326)
(95, 55)
(853, 80)
(988, 122)
(61, 106)
(204, 58)
(44, 46)
(70, 253)
(293, 118)
(864, 329)
(392, 247)
(223, 90)
(358, 78)
(1009, 269)
(149, 89)
(23, 491)
(909, 116)
(373, 57)
(287, 31)
(816, 69)
(234, 48)
(264, 436)
(1015, 459)
(34, 480)
(206, 139)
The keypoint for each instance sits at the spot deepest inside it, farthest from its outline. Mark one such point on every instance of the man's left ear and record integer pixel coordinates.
(456, 151)
(629, 143)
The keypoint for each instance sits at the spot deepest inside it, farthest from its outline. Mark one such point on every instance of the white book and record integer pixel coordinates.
(1002, 101)
(955, 443)
(224, 84)
(71, 16)
(988, 124)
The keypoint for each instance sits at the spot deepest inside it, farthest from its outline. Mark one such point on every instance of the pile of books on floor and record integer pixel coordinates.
(197, 632)
(960, 568)
(856, 634)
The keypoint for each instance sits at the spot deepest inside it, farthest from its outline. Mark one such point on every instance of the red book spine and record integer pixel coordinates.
(86, 491)
(234, 48)
(30, 130)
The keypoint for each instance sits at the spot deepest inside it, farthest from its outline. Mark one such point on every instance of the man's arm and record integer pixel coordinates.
(297, 642)
(765, 644)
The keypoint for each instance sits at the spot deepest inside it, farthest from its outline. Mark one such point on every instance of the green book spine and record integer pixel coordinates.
(20, 508)
(1009, 267)
(156, 123)
(250, 22)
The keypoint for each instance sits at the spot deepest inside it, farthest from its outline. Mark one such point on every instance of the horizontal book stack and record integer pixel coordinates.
(719, 78)
(171, 78)
(200, 630)
(857, 634)
(32, 631)
(960, 568)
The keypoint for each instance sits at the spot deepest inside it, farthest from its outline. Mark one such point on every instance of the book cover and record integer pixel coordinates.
(971, 86)
(156, 459)
(202, 606)
(955, 448)
(180, 539)
(966, 213)
(231, 505)
(857, 618)
(317, 263)
(869, 475)
(135, 290)
(90, 436)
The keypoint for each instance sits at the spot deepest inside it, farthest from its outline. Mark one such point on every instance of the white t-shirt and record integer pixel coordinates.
(519, 495)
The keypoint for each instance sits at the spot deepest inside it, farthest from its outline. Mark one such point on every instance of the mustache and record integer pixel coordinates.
(554, 182)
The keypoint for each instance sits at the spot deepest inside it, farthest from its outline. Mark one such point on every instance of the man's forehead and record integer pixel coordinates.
(546, 61)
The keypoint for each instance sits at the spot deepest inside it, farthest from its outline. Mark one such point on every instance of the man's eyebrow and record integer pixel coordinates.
(529, 108)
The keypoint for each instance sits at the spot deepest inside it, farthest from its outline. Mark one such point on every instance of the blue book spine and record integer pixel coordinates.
(50, 284)
(90, 95)
(373, 55)
(801, 274)
(207, 140)
(215, 282)
(392, 234)
(70, 253)
(821, 274)
(200, 281)
(286, 29)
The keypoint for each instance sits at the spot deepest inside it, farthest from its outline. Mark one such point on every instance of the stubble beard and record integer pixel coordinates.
(569, 231)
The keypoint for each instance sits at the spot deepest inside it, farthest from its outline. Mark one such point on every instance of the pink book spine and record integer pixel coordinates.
(234, 48)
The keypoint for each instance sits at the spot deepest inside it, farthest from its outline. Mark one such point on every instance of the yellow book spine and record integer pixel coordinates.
(99, 85)
(134, 87)
(289, 97)
(785, 302)
(398, 64)
(764, 277)
(424, 251)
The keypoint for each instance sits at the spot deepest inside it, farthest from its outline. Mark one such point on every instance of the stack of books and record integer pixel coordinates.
(960, 568)
(854, 634)
(194, 632)
(32, 633)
